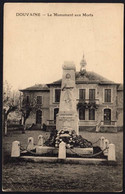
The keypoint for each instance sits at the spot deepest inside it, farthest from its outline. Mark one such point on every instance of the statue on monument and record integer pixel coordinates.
(67, 99)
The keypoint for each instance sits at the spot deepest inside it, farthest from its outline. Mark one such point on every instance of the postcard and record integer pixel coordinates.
(63, 97)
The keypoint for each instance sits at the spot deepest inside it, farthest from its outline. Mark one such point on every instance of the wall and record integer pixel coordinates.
(44, 107)
(110, 105)
(99, 95)
(49, 104)
(53, 104)
(120, 98)
(120, 108)
(45, 97)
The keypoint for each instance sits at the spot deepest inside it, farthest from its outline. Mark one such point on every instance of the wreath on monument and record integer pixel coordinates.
(69, 137)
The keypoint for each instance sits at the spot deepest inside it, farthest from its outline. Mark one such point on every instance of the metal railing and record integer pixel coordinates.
(108, 123)
(88, 100)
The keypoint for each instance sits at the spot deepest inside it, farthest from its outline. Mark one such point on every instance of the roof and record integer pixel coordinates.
(92, 77)
(36, 87)
(58, 82)
(88, 77)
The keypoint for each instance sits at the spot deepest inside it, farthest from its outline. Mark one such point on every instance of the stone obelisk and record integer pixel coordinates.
(67, 118)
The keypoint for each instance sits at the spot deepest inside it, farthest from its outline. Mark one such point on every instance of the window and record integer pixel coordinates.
(81, 114)
(57, 95)
(27, 99)
(91, 94)
(107, 95)
(39, 99)
(82, 94)
(91, 114)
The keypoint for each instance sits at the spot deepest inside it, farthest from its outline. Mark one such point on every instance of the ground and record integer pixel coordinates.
(48, 177)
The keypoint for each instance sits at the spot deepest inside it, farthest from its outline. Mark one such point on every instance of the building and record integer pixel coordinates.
(99, 102)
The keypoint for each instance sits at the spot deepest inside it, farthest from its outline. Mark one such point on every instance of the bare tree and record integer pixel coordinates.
(10, 103)
(26, 109)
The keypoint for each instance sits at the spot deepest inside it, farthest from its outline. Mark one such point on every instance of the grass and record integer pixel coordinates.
(48, 177)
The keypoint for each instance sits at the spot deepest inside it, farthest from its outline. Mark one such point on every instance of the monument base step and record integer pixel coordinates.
(84, 161)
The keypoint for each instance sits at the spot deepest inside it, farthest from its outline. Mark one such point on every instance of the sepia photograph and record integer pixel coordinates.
(62, 114)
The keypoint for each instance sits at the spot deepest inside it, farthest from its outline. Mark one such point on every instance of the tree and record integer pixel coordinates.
(10, 103)
(26, 108)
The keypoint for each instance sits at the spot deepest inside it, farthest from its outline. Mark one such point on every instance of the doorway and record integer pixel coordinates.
(107, 116)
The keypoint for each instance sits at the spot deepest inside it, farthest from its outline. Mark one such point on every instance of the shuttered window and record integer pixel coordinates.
(57, 95)
(91, 114)
(82, 94)
(107, 95)
(81, 114)
(91, 94)
(39, 99)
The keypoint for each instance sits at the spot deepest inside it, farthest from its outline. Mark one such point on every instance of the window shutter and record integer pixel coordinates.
(82, 94)
(81, 114)
(91, 114)
(57, 95)
(91, 94)
(107, 95)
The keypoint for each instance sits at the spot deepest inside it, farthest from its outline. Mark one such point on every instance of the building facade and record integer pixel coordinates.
(99, 103)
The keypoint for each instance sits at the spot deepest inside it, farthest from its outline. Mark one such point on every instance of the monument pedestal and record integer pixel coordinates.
(67, 118)
(67, 122)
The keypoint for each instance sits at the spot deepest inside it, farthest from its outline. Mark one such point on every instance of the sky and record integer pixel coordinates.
(35, 47)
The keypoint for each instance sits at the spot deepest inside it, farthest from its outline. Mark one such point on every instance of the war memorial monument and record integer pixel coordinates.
(65, 144)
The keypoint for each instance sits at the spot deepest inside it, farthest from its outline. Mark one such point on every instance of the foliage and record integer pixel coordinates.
(93, 105)
(89, 105)
(52, 139)
(27, 108)
(10, 99)
(10, 103)
(82, 105)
